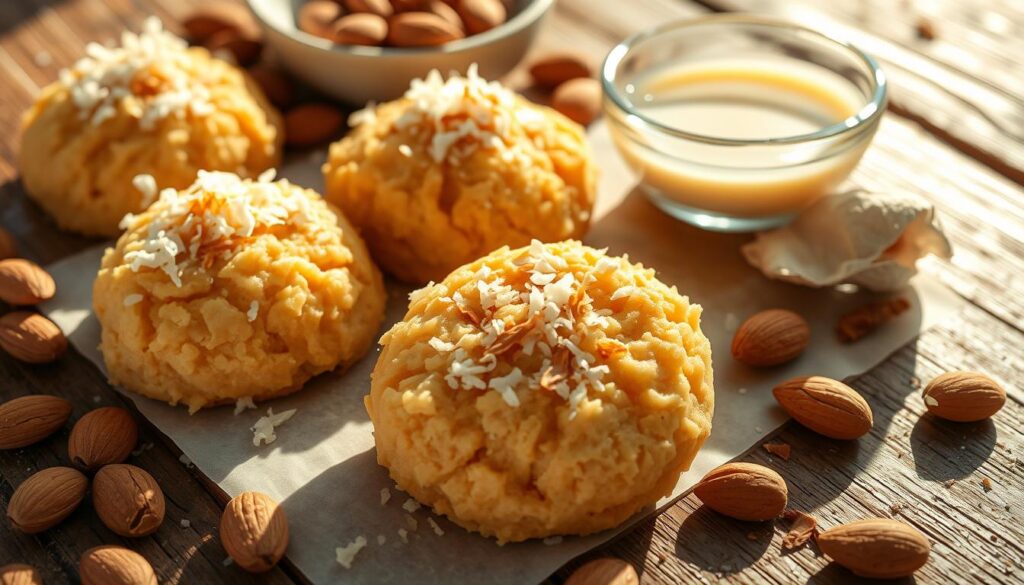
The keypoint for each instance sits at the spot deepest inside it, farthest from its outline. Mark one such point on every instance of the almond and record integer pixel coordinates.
(446, 12)
(878, 548)
(115, 565)
(128, 500)
(254, 531)
(30, 419)
(210, 18)
(481, 15)
(103, 436)
(318, 17)
(46, 498)
(244, 50)
(8, 247)
(276, 85)
(553, 70)
(360, 29)
(311, 124)
(421, 29)
(578, 99)
(826, 406)
(770, 338)
(381, 8)
(24, 283)
(31, 338)
(744, 491)
(607, 571)
(19, 574)
(964, 396)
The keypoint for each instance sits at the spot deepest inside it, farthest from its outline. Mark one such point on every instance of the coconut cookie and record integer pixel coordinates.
(542, 391)
(456, 169)
(234, 289)
(151, 106)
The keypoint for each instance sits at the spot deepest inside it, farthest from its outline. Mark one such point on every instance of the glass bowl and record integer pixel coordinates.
(702, 160)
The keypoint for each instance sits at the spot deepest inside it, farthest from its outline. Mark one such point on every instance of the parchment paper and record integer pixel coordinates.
(323, 469)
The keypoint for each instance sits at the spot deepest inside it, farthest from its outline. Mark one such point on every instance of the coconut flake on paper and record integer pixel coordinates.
(872, 240)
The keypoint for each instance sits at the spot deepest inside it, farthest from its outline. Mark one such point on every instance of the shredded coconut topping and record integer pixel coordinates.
(243, 404)
(347, 554)
(411, 505)
(385, 495)
(213, 216)
(557, 308)
(253, 312)
(263, 430)
(144, 76)
(460, 114)
(435, 527)
(132, 299)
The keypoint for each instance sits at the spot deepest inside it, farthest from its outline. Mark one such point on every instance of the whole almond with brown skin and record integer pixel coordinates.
(877, 548)
(606, 571)
(276, 85)
(360, 29)
(24, 283)
(254, 531)
(19, 574)
(46, 498)
(481, 15)
(555, 69)
(115, 565)
(964, 396)
(101, 437)
(826, 406)
(770, 338)
(30, 419)
(244, 50)
(381, 8)
(578, 99)
(8, 247)
(446, 12)
(421, 29)
(744, 491)
(311, 124)
(210, 18)
(31, 338)
(318, 17)
(128, 500)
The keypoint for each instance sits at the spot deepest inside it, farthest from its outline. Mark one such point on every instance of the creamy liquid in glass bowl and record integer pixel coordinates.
(739, 142)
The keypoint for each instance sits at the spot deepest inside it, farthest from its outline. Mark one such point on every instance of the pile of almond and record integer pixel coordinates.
(26, 335)
(229, 30)
(873, 547)
(574, 91)
(399, 23)
(126, 498)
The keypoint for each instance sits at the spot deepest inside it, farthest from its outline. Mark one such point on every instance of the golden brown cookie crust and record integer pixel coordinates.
(253, 316)
(535, 458)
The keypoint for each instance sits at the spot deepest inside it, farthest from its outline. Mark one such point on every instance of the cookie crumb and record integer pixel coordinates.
(782, 450)
(863, 320)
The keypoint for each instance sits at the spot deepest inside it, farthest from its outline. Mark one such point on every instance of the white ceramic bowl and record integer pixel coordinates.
(359, 74)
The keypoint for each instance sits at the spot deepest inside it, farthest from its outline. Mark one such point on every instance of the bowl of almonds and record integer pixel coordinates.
(369, 50)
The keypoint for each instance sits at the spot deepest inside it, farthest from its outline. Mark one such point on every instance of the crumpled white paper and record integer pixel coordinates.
(873, 240)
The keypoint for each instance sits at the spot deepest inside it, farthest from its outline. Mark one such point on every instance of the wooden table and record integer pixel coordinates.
(955, 132)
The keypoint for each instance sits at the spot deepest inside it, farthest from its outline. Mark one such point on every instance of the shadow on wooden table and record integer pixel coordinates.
(945, 450)
(721, 545)
(39, 239)
(833, 573)
(15, 12)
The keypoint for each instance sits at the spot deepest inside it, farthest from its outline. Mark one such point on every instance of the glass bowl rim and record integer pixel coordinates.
(870, 112)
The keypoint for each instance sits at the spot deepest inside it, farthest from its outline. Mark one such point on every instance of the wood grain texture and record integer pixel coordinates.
(959, 145)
